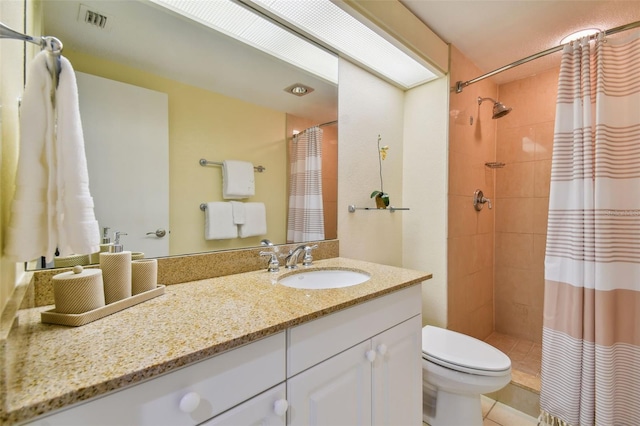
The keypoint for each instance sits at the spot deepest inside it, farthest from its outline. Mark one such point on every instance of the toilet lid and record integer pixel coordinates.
(463, 353)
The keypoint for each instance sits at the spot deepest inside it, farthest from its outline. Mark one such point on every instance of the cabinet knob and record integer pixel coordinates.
(189, 402)
(382, 349)
(280, 407)
(371, 355)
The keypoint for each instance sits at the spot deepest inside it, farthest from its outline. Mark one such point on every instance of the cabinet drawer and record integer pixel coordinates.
(315, 341)
(221, 382)
(259, 410)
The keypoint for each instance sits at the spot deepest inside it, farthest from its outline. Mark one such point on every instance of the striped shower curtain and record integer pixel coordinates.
(591, 331)
(306, 216)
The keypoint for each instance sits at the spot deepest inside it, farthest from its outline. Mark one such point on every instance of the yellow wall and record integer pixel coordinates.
(11, 87)
(204, 124)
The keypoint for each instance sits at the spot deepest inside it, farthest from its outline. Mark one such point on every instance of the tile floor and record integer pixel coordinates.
(498, 414)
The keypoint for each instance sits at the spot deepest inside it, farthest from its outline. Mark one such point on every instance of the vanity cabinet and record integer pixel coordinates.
(190, 395)
(360, 366)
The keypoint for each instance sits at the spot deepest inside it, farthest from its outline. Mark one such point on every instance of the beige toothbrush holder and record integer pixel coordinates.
(116, 273)
(78, 291)
(144, 275)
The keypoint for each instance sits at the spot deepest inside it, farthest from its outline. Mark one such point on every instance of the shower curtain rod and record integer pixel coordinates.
(328, 123)
(462, 84)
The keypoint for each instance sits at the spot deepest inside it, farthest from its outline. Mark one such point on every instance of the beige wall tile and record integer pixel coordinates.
(515, 144)
(514, 215)
(543, 140)
(472, 142)
(480, 322)
(463, 218)
(516, 180)
(514, 285)
(514, 250)
(541, 178)
(540, 215)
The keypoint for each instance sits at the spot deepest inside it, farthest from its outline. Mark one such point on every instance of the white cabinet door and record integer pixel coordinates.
(266, 409)
(397, 375)
(334, 392)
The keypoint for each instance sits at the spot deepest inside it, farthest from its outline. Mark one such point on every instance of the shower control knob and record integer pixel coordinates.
(479, 199)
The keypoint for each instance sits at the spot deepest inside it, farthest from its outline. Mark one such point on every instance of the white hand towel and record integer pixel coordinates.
(255, 220)
(238, 212)
(218, 221)
(238, 180)
(52, 182)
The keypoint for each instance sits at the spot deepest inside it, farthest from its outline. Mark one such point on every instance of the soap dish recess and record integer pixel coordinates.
(75, 320)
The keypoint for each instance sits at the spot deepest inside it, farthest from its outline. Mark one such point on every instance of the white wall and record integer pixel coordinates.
(425, 192)
(368, 107)
(414, 124)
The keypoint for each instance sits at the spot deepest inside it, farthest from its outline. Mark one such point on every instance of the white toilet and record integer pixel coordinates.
(456, 370)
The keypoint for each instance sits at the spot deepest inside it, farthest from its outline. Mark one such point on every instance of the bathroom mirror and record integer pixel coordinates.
(145, 45)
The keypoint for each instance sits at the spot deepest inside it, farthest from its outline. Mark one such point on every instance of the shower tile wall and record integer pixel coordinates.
(524, 143)
(470, 233)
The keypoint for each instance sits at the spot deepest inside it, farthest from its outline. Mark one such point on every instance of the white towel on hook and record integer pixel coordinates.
(255, 220)
(218, 221)
(52, 207)
(238, 180)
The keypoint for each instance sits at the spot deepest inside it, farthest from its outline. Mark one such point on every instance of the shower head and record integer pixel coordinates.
(499, 110)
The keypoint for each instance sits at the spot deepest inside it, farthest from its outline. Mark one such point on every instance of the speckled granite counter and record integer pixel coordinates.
(46, 367)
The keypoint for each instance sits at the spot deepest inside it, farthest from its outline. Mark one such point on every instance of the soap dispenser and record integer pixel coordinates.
(105, 243)
(116, 271)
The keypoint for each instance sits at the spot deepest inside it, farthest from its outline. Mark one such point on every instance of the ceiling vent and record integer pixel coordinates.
(94, 18)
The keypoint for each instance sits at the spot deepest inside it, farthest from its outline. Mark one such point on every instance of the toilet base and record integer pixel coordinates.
(451, 409)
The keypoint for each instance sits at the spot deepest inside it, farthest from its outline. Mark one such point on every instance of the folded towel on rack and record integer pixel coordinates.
(238, 180)
(238, 212)
(255, 220)
(52, 182)
(218, 221)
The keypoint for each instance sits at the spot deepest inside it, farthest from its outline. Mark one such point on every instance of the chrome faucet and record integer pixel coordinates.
(291, 261)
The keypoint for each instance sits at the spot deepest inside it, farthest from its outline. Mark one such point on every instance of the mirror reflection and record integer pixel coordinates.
(159, 92)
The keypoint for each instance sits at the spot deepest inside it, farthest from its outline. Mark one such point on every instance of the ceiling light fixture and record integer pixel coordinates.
(331, 26)
(249, 27)
(580, 34)
(299, 89)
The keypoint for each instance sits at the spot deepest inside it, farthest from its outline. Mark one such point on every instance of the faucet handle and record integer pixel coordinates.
(308, 259)
(274, 264)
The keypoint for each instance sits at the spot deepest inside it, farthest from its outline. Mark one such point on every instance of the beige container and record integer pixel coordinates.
(137, 255)
(78, 291)
(73, 260)
(95, 257)
(144, 275)
(116, 274)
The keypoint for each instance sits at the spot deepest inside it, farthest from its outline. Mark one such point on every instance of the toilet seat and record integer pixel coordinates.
(463, 353)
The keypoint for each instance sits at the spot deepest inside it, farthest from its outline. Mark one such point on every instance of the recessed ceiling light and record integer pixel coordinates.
(299, 89)
(580, 34)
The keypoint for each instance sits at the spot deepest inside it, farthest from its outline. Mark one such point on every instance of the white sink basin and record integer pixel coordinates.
(324, 278)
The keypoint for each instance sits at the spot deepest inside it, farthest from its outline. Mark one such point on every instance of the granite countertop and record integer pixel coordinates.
(51, 366)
